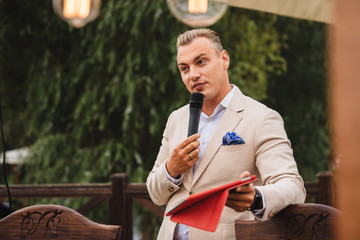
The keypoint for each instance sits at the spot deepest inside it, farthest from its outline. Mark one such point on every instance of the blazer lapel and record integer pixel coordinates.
(231, 118)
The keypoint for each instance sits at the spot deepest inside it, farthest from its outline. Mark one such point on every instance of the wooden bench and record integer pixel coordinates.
(300, 221)
(54, 222)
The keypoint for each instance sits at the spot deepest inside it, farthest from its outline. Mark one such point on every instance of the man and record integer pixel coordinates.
(187, 165)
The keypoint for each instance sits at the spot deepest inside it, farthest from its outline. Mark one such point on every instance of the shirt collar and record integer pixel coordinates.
(224, 103)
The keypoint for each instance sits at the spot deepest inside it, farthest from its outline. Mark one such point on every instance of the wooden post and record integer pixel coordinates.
(326, 188)
(120, 205)
(345, 111)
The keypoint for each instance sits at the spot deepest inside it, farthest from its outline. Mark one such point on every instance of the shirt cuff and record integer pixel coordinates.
(260, 212)
(176, 181)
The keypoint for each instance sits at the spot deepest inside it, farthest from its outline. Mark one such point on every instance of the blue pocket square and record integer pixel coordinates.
(231, 138)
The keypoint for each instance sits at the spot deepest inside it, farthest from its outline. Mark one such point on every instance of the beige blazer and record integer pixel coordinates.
(267, 153)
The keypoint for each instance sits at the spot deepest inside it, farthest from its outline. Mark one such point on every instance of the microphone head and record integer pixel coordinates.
(196, 100)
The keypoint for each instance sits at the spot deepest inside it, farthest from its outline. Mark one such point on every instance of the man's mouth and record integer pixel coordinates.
(198, 86)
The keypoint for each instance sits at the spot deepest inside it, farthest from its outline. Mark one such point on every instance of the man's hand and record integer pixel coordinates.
(184, 156)
(241, 198)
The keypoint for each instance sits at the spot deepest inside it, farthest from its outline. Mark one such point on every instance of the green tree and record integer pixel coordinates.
(95, 100)
(300, 94)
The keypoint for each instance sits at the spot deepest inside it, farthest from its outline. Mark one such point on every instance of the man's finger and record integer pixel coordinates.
(189, 140)
(245, 175)
(243, 189)
(191, 147)
(194, 150)
(236, 206)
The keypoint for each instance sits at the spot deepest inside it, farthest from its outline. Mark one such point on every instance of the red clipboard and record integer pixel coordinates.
(203, 210)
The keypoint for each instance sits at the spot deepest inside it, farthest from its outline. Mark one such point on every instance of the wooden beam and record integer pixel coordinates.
(57, 190)
(90, 205)
(345, 112)
(159, 211)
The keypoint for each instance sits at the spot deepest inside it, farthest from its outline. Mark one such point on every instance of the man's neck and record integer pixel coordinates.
(210, 105)
(209, 108)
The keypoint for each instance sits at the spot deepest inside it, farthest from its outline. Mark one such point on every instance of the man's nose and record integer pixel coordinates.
(194, 74)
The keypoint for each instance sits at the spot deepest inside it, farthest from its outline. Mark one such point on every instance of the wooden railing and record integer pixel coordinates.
(121, 193)
(322, 191)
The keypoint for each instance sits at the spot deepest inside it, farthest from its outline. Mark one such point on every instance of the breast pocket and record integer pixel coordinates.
(235, 159)
(233, 148)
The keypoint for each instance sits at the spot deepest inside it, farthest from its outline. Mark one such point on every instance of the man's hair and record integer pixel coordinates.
(188, 36)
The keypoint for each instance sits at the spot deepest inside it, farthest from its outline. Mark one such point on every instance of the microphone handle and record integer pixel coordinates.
(194, 121)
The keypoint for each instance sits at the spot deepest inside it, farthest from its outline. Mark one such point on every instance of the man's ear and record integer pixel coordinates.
(225, 59)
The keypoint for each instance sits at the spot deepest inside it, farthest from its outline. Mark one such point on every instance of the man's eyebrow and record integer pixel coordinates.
(200, 55)
(195, 59)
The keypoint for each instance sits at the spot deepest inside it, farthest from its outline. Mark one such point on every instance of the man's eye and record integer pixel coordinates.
(184, 69)
(202, 61)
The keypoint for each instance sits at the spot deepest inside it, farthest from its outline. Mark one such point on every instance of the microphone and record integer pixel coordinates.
(196, 103)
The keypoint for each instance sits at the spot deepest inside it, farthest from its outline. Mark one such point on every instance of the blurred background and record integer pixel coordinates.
(89, 102)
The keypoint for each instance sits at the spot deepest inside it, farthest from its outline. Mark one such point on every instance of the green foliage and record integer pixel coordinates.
(300, 94)
(100, 89)
(254, 47)
(95, 100)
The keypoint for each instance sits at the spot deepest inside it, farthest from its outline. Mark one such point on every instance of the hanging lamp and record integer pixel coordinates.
(77, 12)
(198, 13)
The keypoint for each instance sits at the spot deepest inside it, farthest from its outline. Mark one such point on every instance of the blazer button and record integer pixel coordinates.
(190, 193)
(171, 189)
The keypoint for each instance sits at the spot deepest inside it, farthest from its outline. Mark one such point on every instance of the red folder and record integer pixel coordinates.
(203, 210)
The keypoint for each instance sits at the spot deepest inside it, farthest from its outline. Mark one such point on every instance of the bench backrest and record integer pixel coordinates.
(300, 221)
(53, 222)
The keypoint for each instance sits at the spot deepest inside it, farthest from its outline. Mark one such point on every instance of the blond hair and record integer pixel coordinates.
(188, 36)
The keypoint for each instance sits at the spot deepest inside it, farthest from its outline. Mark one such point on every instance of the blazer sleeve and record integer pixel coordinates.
(160, 188)
(282, 184)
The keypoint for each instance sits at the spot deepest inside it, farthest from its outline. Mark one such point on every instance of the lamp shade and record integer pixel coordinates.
(198, 13)
(77, 12)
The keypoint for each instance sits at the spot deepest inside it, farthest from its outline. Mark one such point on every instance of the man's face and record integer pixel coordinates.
(203, 69)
